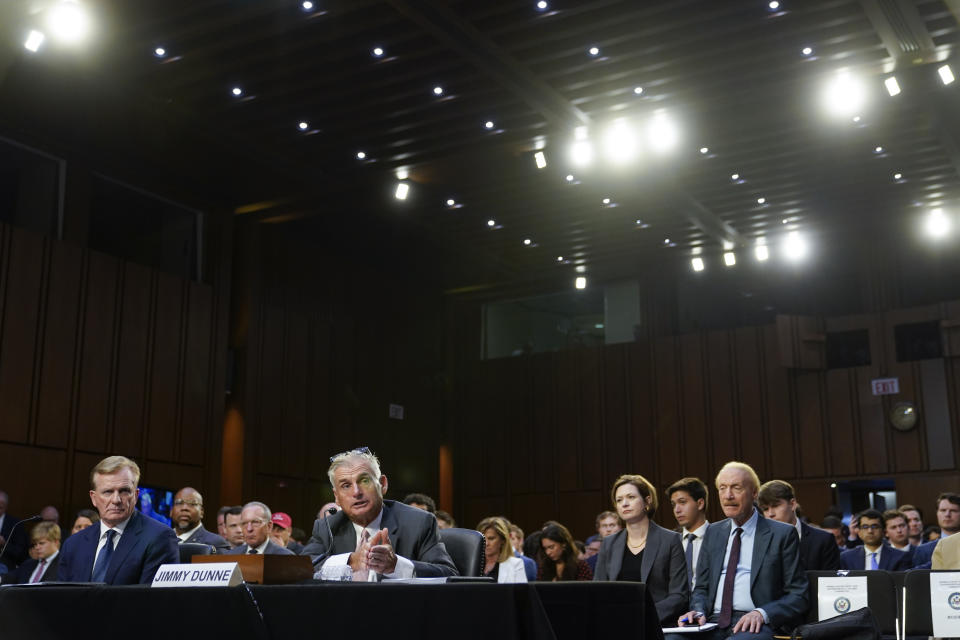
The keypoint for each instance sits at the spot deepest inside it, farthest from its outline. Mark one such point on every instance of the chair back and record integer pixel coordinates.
(917, 617)
(190, 549)
(882, 597)
(467, 549)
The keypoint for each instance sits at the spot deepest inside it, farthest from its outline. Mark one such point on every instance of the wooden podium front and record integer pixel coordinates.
(266, 569)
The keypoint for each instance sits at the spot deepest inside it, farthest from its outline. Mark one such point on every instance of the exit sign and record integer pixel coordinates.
(885, 386)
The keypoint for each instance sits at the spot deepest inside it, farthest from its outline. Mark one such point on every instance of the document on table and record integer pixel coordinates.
(838, 595)
(945, 603)
(691, 628)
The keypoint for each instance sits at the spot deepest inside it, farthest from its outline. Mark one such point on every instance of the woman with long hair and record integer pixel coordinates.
(501, 564)
(557, 559)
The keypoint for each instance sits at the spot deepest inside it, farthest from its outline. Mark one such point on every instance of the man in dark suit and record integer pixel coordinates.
(874, 553)
(187, 517)
(818, 549)
(376, 537)
(45, 542)
(125, 547)
(896, 530)
(749, 579)
(17, 547)
(257, 526)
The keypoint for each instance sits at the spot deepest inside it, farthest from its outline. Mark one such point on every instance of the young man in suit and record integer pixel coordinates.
(818, 549)
(688, 499)
(257, 524)
(125, 547)
(749, 578)
(45, 542)
(896, 530)
(376, 537)
(187, 517)
(874, 553)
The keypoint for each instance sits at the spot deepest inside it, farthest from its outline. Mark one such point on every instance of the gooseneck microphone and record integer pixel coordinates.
(14, 528)
(326, 554)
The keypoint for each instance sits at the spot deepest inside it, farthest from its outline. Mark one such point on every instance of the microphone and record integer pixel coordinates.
(326, 554)
(14, 528)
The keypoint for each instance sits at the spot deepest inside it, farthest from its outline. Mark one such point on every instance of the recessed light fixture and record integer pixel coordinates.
(402, 190)
(488, 124)
(666, 241)
(559, 258)
(937, 225)
(377, 52)
(762, 252)
(638, 90)
(730, 258)
(893, 88)
(844, 94)
(438, 90)
(856, 118)
(569, 177)
(735, 176)
(402, 173)
(594, 51)
(361, 155)
(542, 5)
(540, 159)
(704, 150)
(34, 41)
(159, 52)
(306, 5)
(527, 242)
(697, 264)
(451, 202)
(580, 268)
(878, 149)
(761, 200)
(807, 51)
(606, 201)
(237, 91)
(898, 176)
(580, 282)
(69, 22)
(794, 246)
(774, 5)
(946, 74)
(491, 222)
(303, 125)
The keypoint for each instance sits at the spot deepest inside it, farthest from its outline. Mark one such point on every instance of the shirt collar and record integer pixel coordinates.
(799, 527)
(186, 536)
(262, 549)
(749, 527)
(373, 527)
(55, 554)
(699, 531)
(118, 528)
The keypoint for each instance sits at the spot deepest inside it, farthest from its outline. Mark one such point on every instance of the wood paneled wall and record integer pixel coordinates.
(544, 436)
(101, 357)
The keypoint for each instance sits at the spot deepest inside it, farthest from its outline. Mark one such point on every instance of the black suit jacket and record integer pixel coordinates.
(16, 544)
(203, 536)
(818, 549)
(23, 573)
(890, 559)
(778, 584)
(413, 534)
(663, 570)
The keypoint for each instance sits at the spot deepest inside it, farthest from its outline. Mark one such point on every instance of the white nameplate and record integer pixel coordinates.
(213, 574)
(840, 595)
(945, 604)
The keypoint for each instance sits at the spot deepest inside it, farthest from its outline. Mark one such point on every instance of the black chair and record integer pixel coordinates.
(190, 549)
(917, 617)
(882, 598)
(467, 549)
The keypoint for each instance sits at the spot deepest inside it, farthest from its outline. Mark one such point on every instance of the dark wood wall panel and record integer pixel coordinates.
(720, 429)
(591, 462)
(132, 361)
(754, 436)
(197, 372)
(668, 428)
(810, 424)
(693, 408)
(167, 353)
(613, 434)
(564, 436)
(780, 456)
(842, 417)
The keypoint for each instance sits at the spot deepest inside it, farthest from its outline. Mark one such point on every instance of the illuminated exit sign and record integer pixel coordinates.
(885, 386)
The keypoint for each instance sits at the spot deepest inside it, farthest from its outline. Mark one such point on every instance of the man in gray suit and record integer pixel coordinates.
(375, 537)
(187, 517)
(255, 519)
(749, 579)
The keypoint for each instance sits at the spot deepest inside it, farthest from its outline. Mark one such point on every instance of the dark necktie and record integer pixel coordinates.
(726, 604)
(252, 551)
(103, 560)
(689, 553)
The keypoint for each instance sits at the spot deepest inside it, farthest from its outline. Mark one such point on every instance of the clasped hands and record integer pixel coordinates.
(376, 554)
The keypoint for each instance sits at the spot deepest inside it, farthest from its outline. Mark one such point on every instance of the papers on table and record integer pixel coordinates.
(945, 604)
(840, 595)
(690, 628)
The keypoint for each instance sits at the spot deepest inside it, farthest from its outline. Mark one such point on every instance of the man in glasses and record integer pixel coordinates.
(255, 518)
(376, 537)
(187, 517)
(875, 553)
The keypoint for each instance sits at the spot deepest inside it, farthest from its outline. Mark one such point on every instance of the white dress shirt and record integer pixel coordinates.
(697, 542)
(103, 537)
(742, 600)
(186, 536)
(404, 568)
(866, 556)
(46, 567)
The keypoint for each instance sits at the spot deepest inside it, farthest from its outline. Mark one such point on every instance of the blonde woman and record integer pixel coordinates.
(501, 564)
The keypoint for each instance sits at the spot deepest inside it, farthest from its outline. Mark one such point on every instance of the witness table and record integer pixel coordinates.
(559, 611)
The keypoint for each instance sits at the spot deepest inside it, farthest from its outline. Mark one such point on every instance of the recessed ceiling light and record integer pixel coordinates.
(438, 91)
(666, 241)
(946, 74)
(569, 177)
(937, 225)
(897, 176)
(402, 190)
(159, 52)
(893, 88)
(638, 90)
(237, 91)
(540, 159)
(580, 282)
(34, 41)
(542, 5)
(377, 52)
(856, 118)
(735, 176)
(594, 51)
(303, 126)
(488, 124)
(491, 222)
(451, 202)
(704, 150)
(361, 155)
(730, 258)
(794, 246)
(878, 149)
(774, 5)
(697, 264)
(606, 201)
(761, 200)
(402, 174)
(844, 94)
(762, 252)
(69, 22)
(580, 268)
(306, 5)
(559, 258)
(806, 51)
(527, 242)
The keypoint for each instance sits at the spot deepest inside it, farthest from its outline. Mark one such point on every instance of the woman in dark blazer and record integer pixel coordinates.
(644, 551)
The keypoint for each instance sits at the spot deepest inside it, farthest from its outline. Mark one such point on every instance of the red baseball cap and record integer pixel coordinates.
(282, 519)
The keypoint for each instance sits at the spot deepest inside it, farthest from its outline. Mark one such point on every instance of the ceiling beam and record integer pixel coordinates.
(902, 31)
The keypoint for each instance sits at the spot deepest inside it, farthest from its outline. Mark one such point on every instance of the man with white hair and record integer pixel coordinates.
(256, 520)
(376, 537)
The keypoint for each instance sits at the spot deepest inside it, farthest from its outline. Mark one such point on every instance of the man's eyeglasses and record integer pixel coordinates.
(257, 522)
(192, 503)
(361, 450)
(870, 527)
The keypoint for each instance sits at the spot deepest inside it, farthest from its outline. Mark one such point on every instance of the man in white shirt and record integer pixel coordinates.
(257, 522)
(187, 517)
(688, 498)
(375, 537)
(874, 553)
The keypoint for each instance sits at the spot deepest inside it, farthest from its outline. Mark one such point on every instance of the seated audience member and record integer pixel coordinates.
(325, 512)
(126, 547)
(607, 523)
(282, 530)
(501, 564)
(931, 533)
(948, 521)
(895, 530)
(688, 500)
(581, 550)
(643, 551)
(591, 551)
(299, 536)
(187, 517)
(557, 559)
(914, 523)
(85, 518)
(421, 501)
(255, 518)
(946, 554)
(875, 553)
(50, 514)
(516, 541)
(445, 520)
(221, 522)
(18, 542)
(834, 525)
(232, 523)
(45, 540)
(395, 540)
(818, 549)
(853, 534)
(749, 579)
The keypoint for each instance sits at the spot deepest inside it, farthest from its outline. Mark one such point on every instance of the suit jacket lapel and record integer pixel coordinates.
(87, 552)
(390, 523)
(128, 541)
(617, 544)
(716, 552)
(650, 550)
(761, 541)
(344, 535)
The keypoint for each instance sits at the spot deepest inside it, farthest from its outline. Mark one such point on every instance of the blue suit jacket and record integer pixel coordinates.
(890, 559)
(778, 584)
(144, 546)
(530, 566)
(923, 555)
(818, 549)
(203, 536)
